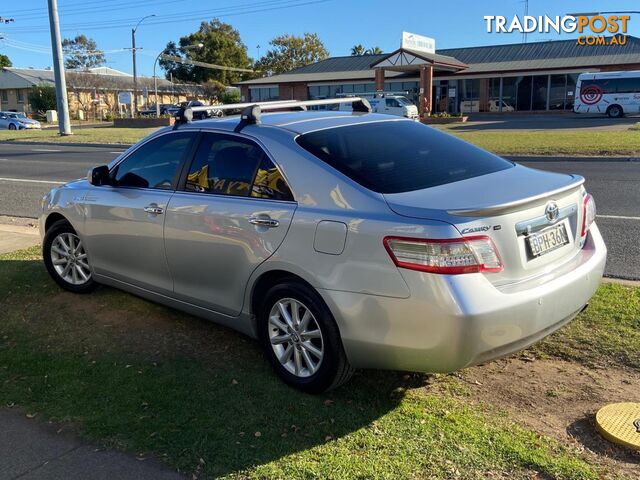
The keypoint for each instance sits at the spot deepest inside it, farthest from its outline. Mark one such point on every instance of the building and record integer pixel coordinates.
(94, 92)
(527, 77)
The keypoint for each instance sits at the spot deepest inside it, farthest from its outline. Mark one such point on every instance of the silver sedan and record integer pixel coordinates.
(339, 240)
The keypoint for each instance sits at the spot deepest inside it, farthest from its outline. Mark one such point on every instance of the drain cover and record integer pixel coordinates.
(620, 423)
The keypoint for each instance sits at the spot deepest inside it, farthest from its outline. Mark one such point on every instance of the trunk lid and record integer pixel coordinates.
(508, 206)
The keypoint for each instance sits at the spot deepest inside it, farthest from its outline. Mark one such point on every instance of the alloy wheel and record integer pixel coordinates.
(295, 337)
(69, 259)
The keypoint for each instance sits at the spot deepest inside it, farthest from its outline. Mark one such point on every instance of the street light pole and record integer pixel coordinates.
(64, 123)
(134, 109)
(155, 79)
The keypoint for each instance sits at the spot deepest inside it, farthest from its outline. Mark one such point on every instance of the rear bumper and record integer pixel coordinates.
(455, 321)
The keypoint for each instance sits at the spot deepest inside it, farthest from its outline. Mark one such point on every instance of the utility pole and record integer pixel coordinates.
(134, 107)
(64, 123)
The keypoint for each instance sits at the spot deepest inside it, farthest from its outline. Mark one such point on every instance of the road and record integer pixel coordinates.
(28, 171)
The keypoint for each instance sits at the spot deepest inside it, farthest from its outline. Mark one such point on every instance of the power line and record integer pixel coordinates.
(171, 18)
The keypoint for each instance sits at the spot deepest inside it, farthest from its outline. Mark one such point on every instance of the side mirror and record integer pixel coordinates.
(99, 176)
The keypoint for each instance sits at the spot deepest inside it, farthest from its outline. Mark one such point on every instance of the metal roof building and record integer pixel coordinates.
(497, 78)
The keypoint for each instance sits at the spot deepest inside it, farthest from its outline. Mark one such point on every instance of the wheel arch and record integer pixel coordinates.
(53, 218)
(267, 280)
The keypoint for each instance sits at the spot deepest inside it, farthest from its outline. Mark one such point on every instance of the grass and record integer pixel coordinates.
(608, 332)
(139, 377)
(551, 142)
(106, 135)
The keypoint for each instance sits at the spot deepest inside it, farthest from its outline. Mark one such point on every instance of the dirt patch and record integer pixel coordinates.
(559, 399)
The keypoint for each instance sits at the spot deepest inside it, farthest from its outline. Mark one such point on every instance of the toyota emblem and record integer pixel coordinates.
(552, 212)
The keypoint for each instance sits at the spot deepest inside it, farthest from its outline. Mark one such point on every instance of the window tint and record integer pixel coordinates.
(227, 165)
(153, 165)
(392, 102)
(628, 85)
(399, 156)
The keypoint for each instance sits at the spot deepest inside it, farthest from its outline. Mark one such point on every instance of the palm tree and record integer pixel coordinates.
(357, 50)
(373, 51)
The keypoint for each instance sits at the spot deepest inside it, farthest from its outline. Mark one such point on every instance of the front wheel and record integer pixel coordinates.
(66, 259)
(301, 339)
(615, 111)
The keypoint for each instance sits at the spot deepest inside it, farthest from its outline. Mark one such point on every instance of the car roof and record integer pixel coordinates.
(300, 122)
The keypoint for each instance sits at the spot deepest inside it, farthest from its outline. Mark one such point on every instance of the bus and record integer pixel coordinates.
(611, 93)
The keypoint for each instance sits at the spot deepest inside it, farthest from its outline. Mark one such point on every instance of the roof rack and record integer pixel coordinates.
(250, 112)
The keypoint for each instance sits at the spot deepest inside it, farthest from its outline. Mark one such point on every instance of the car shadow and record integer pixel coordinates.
(585, 431)
(152, 380)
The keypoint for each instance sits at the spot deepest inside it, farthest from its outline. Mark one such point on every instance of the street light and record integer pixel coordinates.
(134, 110)
(155, 79)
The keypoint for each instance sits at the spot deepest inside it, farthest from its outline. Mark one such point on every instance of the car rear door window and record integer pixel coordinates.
(399, 156)
(155, 164)
(230, 165)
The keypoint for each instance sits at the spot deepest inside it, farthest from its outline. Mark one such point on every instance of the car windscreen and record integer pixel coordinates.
(399, 156)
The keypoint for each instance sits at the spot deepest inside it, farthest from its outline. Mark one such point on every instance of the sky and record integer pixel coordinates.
(339, 23)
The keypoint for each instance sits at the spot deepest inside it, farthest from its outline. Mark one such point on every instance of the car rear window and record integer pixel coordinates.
(399, 156)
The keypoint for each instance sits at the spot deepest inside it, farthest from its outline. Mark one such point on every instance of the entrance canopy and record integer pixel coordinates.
(405, 60)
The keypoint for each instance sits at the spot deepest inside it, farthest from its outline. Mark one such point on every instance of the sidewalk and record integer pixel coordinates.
(30, 450)
(17, 233)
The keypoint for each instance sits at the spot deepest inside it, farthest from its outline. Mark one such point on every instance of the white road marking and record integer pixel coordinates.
(45, 150)
(618, 217)
(118, 152)
(26, 180)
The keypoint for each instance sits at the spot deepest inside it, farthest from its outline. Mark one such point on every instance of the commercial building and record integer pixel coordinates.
(94, 92)
(522, 77)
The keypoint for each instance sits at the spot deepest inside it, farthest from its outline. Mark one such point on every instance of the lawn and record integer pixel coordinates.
(550, 142)
(139, 377)
(565, 142)
(106, 135)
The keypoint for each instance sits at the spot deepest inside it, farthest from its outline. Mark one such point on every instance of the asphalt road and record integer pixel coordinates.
(28, 171)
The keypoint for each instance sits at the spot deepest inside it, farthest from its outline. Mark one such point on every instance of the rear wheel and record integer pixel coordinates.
(12, 126)
(615, 111)
(301, 339)
(66, 259)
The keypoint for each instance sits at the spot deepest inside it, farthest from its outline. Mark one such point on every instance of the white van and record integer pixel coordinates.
(388, 103)
(610, 93)
(473, 106)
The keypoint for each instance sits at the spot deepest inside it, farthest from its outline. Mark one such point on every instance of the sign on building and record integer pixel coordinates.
(124, 98)
(418, 43)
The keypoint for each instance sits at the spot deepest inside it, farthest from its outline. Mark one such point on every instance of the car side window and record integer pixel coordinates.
(229, 165)
(392, 102)
(154, 164)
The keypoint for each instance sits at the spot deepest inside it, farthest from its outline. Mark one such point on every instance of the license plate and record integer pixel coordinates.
(548, 240)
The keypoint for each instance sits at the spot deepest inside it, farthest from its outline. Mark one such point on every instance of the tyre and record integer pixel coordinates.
(12, 126)
(301, 339)
(615, 111)
(66, 258)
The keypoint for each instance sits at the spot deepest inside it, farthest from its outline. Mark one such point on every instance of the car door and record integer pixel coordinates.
(124, 220)
(232, 213)
(392, 107)
(4, 121)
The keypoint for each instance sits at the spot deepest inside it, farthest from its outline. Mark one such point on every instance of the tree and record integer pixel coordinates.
(222, 45)
(5, 61)
(374, 51)
(42, 97)
(213, 91)
(82, 53)
(357, 50)
(291, 52)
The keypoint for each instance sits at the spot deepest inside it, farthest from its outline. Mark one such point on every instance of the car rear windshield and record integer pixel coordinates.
(399, 156)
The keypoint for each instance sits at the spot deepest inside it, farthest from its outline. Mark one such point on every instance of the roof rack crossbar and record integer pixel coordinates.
(251, 111)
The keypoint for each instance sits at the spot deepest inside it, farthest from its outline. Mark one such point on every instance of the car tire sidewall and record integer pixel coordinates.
(62, 226)
(12, 126)
(333, 353)
(615, 111)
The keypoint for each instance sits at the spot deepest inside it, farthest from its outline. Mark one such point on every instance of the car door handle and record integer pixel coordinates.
(264, 222)
(154, 209)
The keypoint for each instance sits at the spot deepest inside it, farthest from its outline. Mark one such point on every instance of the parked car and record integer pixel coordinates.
(389, 103)
(165, 109)
(17, 121)
(339, 240)
(203, 114)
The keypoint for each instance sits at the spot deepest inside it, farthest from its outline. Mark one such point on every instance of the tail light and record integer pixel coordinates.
(450, 256)
(588, 213)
